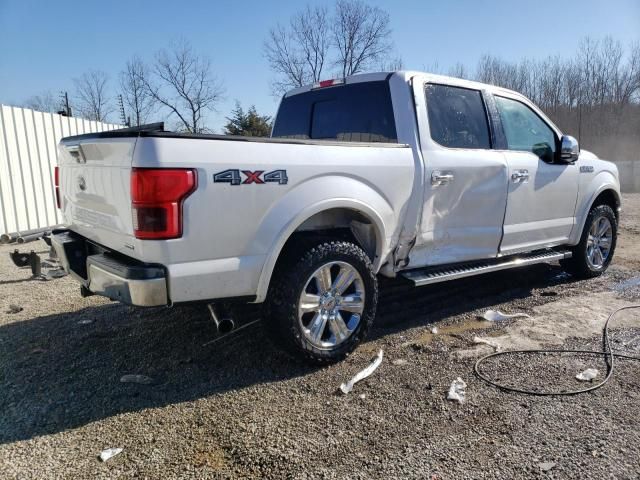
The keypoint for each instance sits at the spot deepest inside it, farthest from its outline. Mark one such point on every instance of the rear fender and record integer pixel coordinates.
(310, 198)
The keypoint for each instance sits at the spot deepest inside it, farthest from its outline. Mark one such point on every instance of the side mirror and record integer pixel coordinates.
(569, 149)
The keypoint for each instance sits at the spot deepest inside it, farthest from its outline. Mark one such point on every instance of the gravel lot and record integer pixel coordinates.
(239, 408)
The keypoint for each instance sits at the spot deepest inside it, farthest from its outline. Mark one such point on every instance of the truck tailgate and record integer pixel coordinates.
(95, 190)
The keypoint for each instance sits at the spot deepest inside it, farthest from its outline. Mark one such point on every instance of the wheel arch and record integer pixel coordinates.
(322, 214)
(606, 194)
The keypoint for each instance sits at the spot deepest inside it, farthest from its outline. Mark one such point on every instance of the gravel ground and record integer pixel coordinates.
(239, 408)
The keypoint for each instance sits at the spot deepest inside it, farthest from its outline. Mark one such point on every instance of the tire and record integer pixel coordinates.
(586, 262)
(312, 327)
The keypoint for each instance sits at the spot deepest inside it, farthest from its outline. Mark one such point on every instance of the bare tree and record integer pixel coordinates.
(361, 34)
(298, 54)
(184, 84)
(93, 100)
(459, 70)
(135, 95)
(44, 102)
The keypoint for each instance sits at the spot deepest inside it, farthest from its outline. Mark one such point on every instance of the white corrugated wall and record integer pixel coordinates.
(28, 155)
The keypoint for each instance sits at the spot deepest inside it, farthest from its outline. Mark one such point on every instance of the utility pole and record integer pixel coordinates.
(66, 109)
(123, 117)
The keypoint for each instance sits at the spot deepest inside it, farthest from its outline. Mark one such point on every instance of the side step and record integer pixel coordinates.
(442, 273)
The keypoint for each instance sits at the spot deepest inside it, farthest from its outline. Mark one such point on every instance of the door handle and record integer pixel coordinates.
(520, 176)
(441, 178)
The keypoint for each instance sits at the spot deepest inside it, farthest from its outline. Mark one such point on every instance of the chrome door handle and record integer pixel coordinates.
(520, 176)
(441, 178)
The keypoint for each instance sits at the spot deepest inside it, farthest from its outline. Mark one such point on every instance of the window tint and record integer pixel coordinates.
(457, 118)
(359, 112)
(525, 130)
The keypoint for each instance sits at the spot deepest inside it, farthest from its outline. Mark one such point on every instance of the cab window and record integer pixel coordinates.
(525, 130)
(457, 117)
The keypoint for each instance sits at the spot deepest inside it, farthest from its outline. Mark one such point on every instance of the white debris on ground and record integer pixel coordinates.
(434, 330)
(110, 453)
(136, 378)
(498, 316)
(487, 341)
(86, 321)
(546, 466)
(399, 361)
(457, 391)
(347, 387)
(588, 375)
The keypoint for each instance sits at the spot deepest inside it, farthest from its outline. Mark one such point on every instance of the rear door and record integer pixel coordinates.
(465, 184)
(542, 193)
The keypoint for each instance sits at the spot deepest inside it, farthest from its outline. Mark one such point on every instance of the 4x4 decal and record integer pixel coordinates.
(234, 177)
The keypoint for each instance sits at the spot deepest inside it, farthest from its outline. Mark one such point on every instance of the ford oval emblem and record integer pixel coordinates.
(82, 184)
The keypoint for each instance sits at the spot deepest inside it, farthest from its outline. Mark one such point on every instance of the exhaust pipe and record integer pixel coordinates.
(222, 319)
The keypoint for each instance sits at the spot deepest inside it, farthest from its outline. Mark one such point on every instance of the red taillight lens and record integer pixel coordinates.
(156, 201)
(56, 183)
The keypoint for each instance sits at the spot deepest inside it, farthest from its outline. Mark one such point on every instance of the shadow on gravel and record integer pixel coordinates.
(59, 372)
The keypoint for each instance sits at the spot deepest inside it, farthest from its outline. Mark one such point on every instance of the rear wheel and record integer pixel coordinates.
(322, 302)
(594, 253)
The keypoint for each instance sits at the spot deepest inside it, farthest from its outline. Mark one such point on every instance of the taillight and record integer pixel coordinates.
(156, 201)
(56, 183)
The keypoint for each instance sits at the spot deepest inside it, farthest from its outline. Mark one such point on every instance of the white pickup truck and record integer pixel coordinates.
(397, 174)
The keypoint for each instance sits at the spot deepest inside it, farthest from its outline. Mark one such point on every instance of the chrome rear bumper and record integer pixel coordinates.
(111, 275)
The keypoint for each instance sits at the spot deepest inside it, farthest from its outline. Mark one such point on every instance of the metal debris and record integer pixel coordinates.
(457, 390)
(347, 387)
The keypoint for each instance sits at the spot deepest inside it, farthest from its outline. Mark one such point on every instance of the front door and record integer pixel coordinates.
(542, 193)
(465, 191)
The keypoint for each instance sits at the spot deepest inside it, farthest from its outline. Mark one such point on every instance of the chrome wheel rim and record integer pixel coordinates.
(599, 243)
(331, 305)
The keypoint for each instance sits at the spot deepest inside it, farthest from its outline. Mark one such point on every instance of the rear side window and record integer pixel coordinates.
(457, 117)
(358, 112)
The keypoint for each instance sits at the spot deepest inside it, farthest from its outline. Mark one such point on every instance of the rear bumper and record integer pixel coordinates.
(110, 274)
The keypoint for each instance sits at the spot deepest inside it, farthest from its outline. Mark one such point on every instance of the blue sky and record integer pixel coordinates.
(45, 44)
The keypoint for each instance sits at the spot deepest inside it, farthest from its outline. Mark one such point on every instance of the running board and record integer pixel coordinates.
(438, 274)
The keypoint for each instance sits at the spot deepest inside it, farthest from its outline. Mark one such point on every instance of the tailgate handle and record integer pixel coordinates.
(76, 153)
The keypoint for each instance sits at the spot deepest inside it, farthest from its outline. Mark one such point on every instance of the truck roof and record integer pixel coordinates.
(406, 75)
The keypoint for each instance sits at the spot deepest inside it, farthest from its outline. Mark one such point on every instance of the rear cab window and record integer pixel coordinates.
(457, 117)
(357, 112)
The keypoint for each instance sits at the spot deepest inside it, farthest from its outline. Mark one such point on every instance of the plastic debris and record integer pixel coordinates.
(399, 361)
(588, 375)
(434, 330)
(498, 316)
(14, 308)
(487, 341)
(457, 390)
(362, 396)
(109, 453)
(136, 378)
(347, 387)
(86, 321)
(546, 466)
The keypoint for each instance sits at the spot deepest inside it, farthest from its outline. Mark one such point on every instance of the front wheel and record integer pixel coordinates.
(594, 253)
(322, 302)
